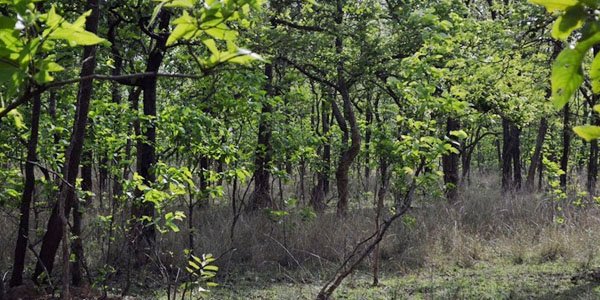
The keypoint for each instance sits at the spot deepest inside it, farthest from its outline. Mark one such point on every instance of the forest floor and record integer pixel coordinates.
(483, 280)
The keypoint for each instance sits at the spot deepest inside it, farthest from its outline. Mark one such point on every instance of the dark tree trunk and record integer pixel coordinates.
(146, 152)
(317, 200)
(27, 197)
(536, 159)
(450, 165)
(368, 133)
(506, 155)
(261, 197)
(564, 160)
(516, 155)
(57, 223)
(347, 155)
(76, 230)
(592, 168)
(381, 194)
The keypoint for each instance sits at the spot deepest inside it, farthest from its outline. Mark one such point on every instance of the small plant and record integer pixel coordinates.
(202, 272)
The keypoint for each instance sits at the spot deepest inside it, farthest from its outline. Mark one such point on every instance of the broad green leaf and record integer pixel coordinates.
(597, 108)
(181, 3)
(42, 77)
(186, 28)
(572, 20)
(587, 132)
(222, 32)
(556, 5)
(80, 22)
(77, 37)
(567, 74)
(595, 74)
(211, 45)
(461, 134)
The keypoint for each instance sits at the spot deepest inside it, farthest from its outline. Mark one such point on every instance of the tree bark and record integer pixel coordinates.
(27, 196)
(516, 155)
(57, 224)
(317, 200)
(506, 155)
(146, 152)
(348, 155)
(261, 197)
(536, 159)
(564, 160)
(450, 165)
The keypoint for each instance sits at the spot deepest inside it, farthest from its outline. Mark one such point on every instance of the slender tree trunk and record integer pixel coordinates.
(317, 200)
(57, 224)
(592, 168)
(261, 197)
(450, 165)
(516, 155)
(76, 230)
(564, 160)
(506, 155)
(381, 194)
(536, 159)
(27, 197)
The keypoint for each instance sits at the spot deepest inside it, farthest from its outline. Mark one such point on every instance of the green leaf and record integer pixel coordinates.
(186, 28)
(77, 37)
(597, 108)
(222, 32)
(595, 74)
(211, 45)
(587, 132)
(567, 74)
(181, 3)
(211, 268)
(461, 134)
(572, 20)
(556, 5)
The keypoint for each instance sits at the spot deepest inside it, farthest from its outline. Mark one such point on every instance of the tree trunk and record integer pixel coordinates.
(450, 165)
(564, 160)
(27, 197)
(317, 200)
(516, 155)
(383, 171)
(57, 224)
(592, 168)
(261, 197)
(536, 159)
(146, 152)
(348, 155)
(76, 230)
(506, 155)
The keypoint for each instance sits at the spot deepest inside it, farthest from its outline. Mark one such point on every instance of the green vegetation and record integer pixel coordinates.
(286, 149)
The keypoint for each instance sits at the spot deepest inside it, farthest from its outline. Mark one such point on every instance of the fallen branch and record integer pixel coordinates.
(357, 256)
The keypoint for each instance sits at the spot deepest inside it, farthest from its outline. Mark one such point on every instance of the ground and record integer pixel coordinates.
(552, 280)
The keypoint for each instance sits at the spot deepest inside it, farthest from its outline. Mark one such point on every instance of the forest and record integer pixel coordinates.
(299, 149)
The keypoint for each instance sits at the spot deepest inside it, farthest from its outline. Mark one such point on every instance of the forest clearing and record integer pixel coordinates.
(299, 149)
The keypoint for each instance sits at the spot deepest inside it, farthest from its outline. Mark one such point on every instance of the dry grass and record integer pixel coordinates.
(485, 226)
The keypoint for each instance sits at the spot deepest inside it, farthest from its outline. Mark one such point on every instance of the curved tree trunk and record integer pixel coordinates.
(348, 155)
(536, 159)
(27, 197)
(57, 224)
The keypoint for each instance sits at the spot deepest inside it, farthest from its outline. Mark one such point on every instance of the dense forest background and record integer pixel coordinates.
(291, 149)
